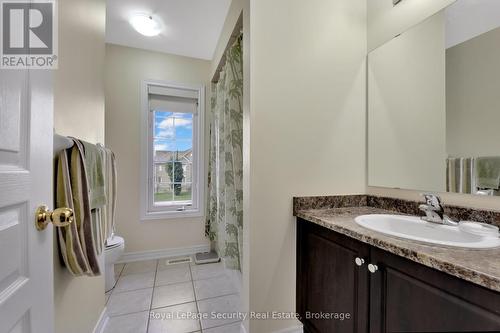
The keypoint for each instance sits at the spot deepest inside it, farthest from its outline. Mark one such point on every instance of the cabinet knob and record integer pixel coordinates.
(359, 261)
(372, 268)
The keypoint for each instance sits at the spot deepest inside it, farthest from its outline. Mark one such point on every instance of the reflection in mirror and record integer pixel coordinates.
(434, 103)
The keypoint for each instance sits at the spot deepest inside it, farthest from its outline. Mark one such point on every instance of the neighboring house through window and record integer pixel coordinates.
(173, 174)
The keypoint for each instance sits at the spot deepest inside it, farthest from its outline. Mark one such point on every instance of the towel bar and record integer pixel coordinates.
(61, 143)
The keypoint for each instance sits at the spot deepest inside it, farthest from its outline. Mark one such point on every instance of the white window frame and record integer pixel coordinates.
(148, 210)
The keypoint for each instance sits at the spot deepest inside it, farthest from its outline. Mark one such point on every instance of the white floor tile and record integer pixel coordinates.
(173, 294)
(232, 328)
(129, 302)
(207, 271)
(135, 281)
(174, 274)
(140, 267)
(106, 297)
(131, 323)
(174, 319)
(213, 287)
(227, 306)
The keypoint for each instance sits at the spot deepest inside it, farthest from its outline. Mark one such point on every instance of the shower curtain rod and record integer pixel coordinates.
(237, 32)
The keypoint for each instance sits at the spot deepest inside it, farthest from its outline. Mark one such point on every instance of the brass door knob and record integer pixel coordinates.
(60, 217)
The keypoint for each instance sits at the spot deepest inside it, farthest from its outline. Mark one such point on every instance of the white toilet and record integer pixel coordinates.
(115, 246)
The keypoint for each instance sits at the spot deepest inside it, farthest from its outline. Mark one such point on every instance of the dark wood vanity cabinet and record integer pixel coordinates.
(329, 282)
(409, 297)
(400, 296)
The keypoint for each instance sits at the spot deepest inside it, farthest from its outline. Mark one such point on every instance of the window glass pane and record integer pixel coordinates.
(163, 192)
(182, 192)
(183, 146)
(163, 149)
(183, 126)
(164, 125)
(173, 158)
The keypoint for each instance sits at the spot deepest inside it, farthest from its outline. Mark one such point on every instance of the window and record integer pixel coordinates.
(173, 175)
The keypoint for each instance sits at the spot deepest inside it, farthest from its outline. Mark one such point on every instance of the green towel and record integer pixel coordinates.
(95, 174)
(488, 172)
(78, 244)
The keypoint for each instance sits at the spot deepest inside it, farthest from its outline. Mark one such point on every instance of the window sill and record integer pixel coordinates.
(152, 216)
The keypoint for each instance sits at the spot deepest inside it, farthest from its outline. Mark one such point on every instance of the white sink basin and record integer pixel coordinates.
(412, 227)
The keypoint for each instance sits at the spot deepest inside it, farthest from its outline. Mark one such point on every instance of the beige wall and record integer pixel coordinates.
(307, 136)
(79, 109)
(124, 71)
(386, 21)
(79, 112)
(406, 109)
(472, 96)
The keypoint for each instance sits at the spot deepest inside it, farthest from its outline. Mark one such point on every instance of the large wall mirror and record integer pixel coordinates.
(434, 103)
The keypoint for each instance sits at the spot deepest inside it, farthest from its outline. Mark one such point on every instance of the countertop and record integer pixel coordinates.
(481, 267)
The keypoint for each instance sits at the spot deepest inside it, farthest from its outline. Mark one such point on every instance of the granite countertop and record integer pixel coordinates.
(481, 267)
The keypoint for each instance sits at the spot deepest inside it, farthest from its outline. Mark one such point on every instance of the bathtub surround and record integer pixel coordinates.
(336, 213)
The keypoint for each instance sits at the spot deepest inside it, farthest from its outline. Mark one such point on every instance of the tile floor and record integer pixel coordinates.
(152, 297)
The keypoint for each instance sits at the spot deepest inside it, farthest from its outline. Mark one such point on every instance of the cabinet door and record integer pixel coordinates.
(409, 297)
(329, 281)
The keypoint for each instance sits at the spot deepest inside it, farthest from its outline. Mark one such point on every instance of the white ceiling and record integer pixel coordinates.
(466, 19)
(191, 27)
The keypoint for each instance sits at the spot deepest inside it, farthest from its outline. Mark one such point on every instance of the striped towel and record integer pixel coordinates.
(460, 175)
(94, 166)
(108, 211)
(78, 243)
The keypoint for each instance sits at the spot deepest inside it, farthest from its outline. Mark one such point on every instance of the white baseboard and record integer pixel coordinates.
(101, 322)
(164, 253)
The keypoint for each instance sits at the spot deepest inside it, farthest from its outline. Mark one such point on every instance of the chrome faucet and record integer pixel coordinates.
(434, 211)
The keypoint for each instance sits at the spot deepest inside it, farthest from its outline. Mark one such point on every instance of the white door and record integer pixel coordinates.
(26, 262)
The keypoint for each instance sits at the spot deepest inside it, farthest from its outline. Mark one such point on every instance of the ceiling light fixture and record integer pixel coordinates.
(145, 25)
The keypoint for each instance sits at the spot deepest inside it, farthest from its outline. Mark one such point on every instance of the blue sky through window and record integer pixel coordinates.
(173, 131)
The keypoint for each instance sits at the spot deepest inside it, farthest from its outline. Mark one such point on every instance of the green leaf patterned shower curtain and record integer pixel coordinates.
(224, 224)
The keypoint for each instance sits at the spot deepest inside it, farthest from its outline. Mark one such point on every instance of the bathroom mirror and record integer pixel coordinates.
(434, 103)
